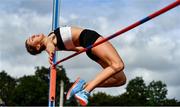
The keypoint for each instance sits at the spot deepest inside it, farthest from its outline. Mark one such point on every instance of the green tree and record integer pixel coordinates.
(137, 94)
(31, 91)
(7, 86)
(100, 99)
(42, 73)
(156, 93)
(136, 91)
(171, 102)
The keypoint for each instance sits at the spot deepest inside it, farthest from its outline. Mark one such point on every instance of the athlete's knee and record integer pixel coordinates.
(118, 66)
(121, 81)
(124, 80)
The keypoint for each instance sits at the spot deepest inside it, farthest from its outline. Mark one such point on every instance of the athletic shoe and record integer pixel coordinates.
(76, 87)
(82, 97)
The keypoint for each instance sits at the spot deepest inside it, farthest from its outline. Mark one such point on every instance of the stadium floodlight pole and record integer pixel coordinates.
(151, 16)
(52, 83)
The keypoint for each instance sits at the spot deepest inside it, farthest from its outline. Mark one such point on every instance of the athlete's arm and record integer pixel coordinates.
(50, 49)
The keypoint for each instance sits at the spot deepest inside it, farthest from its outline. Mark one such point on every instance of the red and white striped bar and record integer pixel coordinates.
(151, 16)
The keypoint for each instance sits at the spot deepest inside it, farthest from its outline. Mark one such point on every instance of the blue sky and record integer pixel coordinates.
(151, 50)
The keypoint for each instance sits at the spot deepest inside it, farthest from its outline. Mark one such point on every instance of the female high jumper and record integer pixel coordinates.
(76, 39)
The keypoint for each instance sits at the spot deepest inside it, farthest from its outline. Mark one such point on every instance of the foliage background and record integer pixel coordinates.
(32, 90)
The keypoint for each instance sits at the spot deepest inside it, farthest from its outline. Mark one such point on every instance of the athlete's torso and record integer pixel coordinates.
(67, 37)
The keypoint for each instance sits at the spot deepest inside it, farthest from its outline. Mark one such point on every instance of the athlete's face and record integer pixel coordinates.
(35, 40)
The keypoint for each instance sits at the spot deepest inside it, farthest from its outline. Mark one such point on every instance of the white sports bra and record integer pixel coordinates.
(64, 38)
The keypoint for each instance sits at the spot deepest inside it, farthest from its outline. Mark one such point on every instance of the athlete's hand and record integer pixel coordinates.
(79, 49)
(51, 56)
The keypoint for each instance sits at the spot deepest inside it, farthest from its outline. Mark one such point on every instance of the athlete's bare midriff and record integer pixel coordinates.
(75, 35)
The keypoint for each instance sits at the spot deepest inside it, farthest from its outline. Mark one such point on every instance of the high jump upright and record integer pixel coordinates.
(52, 83)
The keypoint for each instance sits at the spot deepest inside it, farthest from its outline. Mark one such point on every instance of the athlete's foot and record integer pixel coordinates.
(82, 97)
(76, 87)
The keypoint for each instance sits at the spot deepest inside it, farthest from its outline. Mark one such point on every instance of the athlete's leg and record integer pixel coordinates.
(118, 79)
(114, 64)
